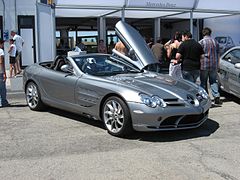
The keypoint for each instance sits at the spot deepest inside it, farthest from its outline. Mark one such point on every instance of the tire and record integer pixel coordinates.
(116, 117)
(33, 97)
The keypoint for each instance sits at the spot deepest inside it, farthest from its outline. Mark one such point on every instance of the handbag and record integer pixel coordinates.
(175, 71)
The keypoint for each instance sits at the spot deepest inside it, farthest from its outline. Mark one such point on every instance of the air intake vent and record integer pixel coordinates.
(174, 102)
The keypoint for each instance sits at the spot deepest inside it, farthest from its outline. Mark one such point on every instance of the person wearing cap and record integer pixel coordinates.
(3, 77)
(19, 45)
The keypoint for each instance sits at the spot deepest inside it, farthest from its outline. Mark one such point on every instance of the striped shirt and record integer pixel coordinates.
(211, 53)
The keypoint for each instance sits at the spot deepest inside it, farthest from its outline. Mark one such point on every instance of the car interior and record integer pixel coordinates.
(57, 63)
(90, 66)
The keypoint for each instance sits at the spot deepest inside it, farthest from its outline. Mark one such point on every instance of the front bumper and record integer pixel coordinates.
(145, 118)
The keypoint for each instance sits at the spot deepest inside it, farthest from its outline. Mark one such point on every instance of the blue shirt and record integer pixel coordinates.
(211, 53)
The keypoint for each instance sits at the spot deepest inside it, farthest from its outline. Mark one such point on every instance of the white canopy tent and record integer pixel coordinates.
(147, 8)
(162, 9)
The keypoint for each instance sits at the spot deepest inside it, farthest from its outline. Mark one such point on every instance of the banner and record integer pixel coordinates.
(162, 4)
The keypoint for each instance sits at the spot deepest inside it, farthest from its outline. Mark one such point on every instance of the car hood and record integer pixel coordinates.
(142, 55)
(154, 84)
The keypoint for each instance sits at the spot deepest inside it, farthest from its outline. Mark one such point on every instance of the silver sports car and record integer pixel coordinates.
(229, 71)
(121, 90)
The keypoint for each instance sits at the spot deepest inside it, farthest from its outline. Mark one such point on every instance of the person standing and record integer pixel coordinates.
(101, 47)
(190, 52)
(12, 57)
(3, 77)
(120, 47)
(111, 45)
(19, 45)
(172, 48)
(81, 45)
(210, 64)
(157, 50)
(150, 42)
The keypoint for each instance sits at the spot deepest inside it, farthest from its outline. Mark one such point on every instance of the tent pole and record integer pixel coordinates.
(123, 14)
(102, 29)
(157, 29)
(191, 22)
(123, 10)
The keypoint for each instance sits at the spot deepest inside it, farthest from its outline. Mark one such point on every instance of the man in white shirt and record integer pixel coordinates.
(19, 45)
(3, 77)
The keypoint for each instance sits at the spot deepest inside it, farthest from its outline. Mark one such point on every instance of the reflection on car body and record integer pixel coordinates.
(119, 90)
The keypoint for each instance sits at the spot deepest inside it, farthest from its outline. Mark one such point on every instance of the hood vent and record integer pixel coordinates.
(173, 102)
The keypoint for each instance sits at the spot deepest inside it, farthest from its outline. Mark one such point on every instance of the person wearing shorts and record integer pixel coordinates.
(12, 57)
(19, 45)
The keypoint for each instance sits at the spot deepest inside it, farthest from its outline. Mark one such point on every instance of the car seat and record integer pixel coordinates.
(90, 66)
(57, 63)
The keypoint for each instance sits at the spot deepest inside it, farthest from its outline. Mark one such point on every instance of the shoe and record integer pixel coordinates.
(217, 101)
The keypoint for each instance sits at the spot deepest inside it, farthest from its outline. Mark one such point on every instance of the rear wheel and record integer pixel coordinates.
(33, 97)
(116, 117)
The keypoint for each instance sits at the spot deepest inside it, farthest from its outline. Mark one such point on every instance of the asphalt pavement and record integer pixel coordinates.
(55, 144)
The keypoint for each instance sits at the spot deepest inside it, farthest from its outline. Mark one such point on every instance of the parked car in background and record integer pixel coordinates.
(229, 71)
(225, 43)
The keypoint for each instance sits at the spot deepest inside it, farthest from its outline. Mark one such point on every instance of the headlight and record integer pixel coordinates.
(153, 101)
(202, 93)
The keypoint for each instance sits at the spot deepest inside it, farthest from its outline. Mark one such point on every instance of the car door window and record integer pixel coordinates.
(233, 56)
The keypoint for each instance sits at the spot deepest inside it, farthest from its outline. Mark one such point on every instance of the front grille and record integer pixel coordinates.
(183, 121)
(192, 119)
(170, 121)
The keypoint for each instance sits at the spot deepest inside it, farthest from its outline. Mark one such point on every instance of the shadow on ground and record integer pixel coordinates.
(208, 128)
(229, 97)
(76, 117)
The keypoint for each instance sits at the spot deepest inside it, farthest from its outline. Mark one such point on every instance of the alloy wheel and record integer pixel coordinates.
(113, 116)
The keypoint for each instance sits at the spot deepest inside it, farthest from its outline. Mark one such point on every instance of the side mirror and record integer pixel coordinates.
(229, 59)
(66, 68)
(131, 52)
(237, 65)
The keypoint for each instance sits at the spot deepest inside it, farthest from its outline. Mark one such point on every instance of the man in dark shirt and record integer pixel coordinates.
(190, 52)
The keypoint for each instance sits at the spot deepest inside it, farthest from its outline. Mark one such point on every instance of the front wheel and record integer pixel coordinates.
(33, 97)
(116, 117)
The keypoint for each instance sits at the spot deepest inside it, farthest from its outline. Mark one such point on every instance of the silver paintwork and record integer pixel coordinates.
(229, 72)
(133, 40)
(85, 93)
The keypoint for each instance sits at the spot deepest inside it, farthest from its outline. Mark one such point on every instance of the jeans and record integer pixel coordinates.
(191, 75)
(3, 92)
(212, 75)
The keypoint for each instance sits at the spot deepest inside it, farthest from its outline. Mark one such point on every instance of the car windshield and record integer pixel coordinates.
(103, 65)
(221, 40)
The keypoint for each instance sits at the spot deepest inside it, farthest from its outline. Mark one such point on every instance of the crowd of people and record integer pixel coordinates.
(197, 59)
